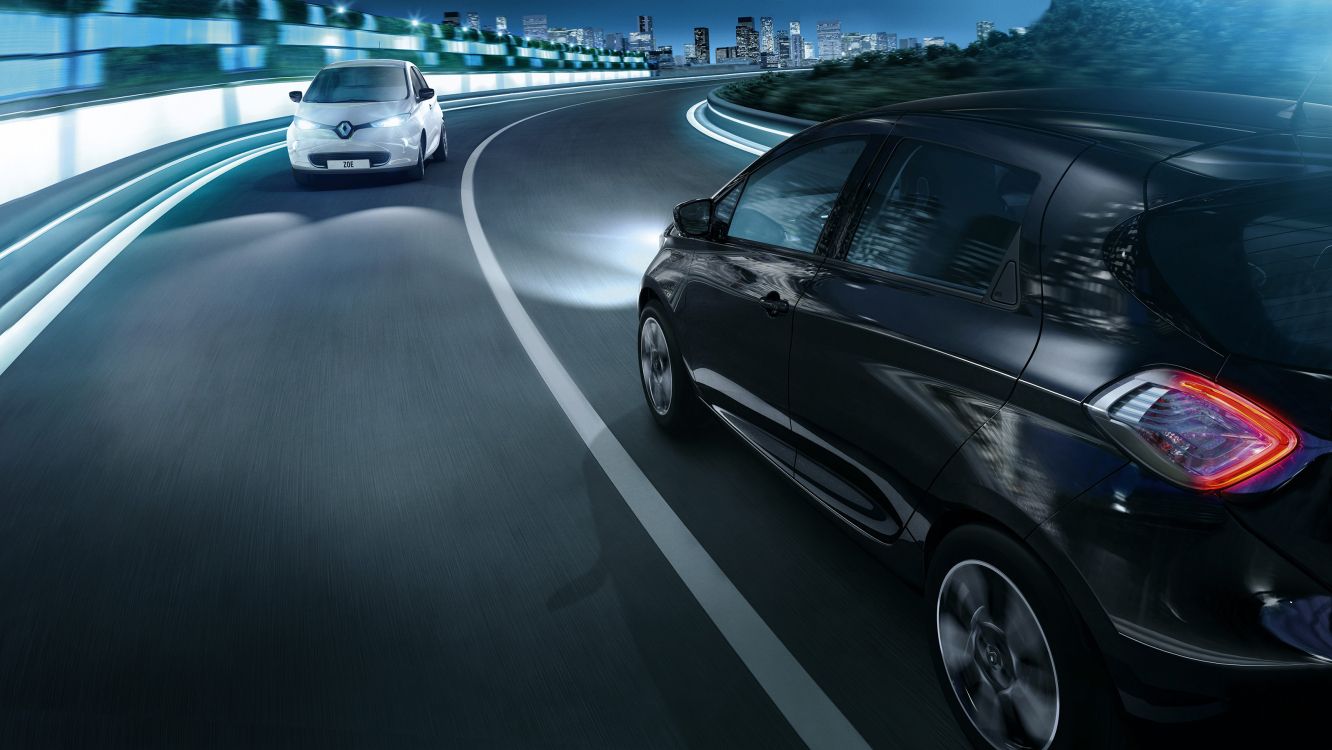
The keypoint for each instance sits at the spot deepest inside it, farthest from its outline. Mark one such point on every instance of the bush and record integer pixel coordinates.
(53, 6)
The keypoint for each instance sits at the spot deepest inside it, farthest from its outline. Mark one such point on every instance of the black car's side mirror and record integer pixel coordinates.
(424, 94)
(295, 96)
(694, 218)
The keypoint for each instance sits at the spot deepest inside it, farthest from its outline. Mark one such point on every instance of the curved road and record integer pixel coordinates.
(282, 474)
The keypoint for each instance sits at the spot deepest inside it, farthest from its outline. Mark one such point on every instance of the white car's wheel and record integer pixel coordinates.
(418, 172)
(442, 148)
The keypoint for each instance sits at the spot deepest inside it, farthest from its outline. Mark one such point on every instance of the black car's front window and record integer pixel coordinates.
(786, 203)
(366, 83)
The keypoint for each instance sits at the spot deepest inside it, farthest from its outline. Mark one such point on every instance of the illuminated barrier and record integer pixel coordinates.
(68, 142)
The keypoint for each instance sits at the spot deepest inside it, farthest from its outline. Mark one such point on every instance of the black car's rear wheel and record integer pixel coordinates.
(1012, 654)
(666, 382)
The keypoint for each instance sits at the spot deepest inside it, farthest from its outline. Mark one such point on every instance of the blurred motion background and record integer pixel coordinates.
(1257, 47)
(85, 83)
(56, 52)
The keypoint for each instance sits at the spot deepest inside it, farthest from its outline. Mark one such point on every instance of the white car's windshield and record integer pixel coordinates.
(367, 83)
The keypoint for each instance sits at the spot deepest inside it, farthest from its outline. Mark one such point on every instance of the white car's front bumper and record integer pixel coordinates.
(385, 148)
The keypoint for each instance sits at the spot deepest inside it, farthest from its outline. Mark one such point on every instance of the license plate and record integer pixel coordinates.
(348, 163)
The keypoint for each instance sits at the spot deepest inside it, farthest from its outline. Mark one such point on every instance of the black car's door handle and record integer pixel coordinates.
(774, 304)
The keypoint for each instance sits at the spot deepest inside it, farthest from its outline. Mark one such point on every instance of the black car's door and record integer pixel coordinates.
(915, 332)
(771, 231)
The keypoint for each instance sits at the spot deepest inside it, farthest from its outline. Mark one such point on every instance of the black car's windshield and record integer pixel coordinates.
(364, 83)
(1253, 269)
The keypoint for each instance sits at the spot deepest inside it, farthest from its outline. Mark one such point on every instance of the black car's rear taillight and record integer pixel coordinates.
(1192, 431)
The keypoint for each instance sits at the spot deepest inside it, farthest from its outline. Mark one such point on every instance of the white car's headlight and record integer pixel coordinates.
(303, 124)
(391, 122)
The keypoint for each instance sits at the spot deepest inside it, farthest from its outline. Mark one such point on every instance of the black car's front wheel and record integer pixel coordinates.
(1012, 655)
(666, 383)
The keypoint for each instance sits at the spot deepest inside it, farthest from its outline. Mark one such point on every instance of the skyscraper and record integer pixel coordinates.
(615, 42)
(885, 42)
(909, 42)
(473, 20)
(934, 41)
(452, 18)
(702, 46)
(746, 38)
(854, 44)
(640, 41)
(767, 43)
(645, 27)
(983, 29)
(830, 40)
(501, 25)
(797, 44)
(534, 27)
(783, 45)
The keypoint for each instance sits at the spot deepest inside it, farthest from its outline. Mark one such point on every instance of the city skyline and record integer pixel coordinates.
(674, 23)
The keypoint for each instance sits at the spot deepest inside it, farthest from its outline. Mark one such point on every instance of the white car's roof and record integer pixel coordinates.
(379, 63)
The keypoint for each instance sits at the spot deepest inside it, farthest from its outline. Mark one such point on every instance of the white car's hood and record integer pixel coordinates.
(357, 113)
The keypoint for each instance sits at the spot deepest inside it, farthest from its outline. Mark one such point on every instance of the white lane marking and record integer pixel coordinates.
(15, 339)
(98, 199)
(814, 717)
(746, 146)
(783, 133)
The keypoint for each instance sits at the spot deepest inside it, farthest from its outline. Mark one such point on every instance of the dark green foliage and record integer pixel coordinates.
(294, 11)
(349, 20)
(390, 25)
(170, 65)
(1260, 47)
(53, 6)
(197, 8)
(294, 60)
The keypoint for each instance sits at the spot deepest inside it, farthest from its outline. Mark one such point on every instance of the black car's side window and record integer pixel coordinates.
(943, 215)
(786, 203)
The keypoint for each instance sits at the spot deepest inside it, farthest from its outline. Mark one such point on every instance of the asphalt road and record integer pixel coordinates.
(282, 475)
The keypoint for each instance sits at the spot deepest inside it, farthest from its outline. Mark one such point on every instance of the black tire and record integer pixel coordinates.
(682, 411)
(418, 172)
(304, 179)
(1086, 714)
(441, 152)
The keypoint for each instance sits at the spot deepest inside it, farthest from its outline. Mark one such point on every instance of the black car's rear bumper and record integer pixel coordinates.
(1174, 588)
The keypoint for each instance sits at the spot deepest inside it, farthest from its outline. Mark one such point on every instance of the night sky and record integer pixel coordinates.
(675, 19)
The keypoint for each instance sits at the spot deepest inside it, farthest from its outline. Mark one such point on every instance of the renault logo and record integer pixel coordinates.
(344, 130)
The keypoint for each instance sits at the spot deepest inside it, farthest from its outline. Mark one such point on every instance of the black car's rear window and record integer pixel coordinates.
(1252, 268)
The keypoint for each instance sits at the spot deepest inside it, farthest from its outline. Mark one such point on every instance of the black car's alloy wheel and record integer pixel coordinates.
(1012, 655)
(666, 383)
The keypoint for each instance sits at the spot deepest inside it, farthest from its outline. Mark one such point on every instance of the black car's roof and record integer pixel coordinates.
(1160, 123)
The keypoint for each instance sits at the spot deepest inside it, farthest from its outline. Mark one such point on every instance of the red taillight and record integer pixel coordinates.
(1192, 431)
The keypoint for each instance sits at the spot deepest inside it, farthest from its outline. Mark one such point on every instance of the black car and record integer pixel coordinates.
(1064, 358)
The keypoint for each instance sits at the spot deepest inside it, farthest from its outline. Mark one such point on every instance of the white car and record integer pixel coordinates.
(366, 116)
